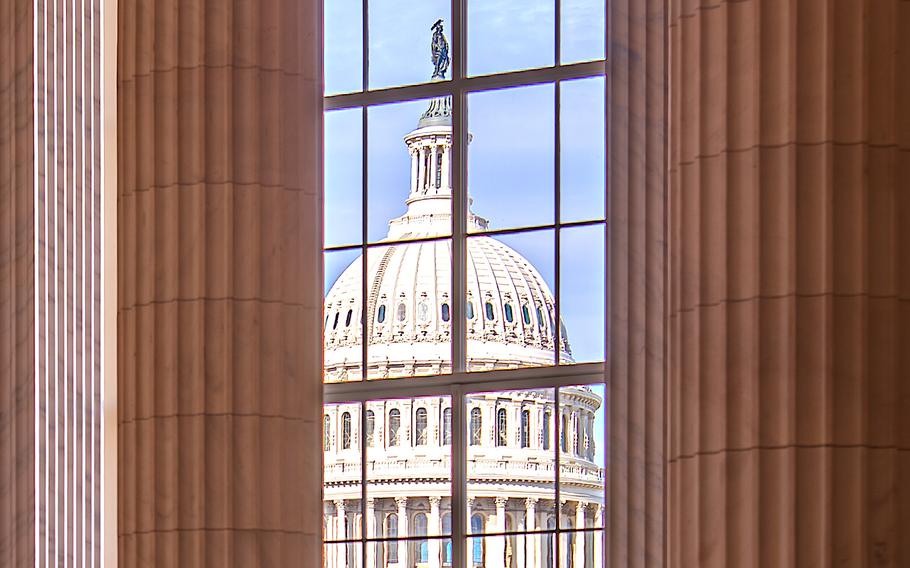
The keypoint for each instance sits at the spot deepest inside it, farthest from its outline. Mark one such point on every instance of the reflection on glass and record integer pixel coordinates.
(511, 485)
(583, 31)
(409, 186)
(343, 204)
(343, 555)
(509, 35)
(343, 46)
(581, 549)
(582, 150)
(582, 292)
(341, 316)
(342, 477)
(510, 158)
(509, 275)
(400, 40)
(582, 424)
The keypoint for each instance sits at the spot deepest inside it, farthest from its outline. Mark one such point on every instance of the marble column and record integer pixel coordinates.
(790, 274)
(220, 290)
(446, 173)
(421, 169)
(433, 158)
(533, 548)
(496, 545)
(578, 555)
(415, 165)
(598, 538)
(371, 531)
(341, 533)
(434, 523)
(403, 545)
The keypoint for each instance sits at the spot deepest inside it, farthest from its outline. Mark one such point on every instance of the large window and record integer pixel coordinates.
(465, 239)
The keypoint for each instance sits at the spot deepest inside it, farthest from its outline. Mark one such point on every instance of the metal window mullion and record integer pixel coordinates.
(557, 449)
(364, 258)
(557, 214)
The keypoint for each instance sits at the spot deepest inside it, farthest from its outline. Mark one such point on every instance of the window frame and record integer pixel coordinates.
(461, 384)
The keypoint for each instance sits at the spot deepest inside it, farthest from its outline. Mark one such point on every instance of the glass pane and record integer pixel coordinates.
(342, 472)
(583, 451)
(343, 555)
(510, 473)
(409, 470)
(514, 551)
(583, 31)
(508, 35)
(509, 305)
(582, 293)
(402, 33)
(510, 157)
(581, 550)
(410, 190)
(341, 317)
(343, 177)
(409, 329)
(582, 150)
(343, 46)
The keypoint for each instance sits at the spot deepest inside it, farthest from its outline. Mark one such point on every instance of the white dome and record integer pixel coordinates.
(510, 308)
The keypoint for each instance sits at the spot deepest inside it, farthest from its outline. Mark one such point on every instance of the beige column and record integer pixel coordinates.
(415, 157)
(403, 545)
(531, 525)
(341, 533)
(434, 527)
(421, 169)
(220, 291)
(371, 531)
(598, 537)
(790, 273)
(446, 175)
(578, 554)
(433, 159)
(496, 546)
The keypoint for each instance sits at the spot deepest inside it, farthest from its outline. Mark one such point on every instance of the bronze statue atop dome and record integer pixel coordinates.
(439, 47)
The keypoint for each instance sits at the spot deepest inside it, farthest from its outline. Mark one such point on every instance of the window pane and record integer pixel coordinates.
(582, 156)
(510, 273)
(495, 454)
(583, 453)
(343, 555)
(509, 34)
(582, 293)
(343, 46)
(342, 355)
(581, 550)
(410, 191)
(343, 177)
(400, 40)
(583, 31)
(342, 474)
(408, 284)
(510, 157)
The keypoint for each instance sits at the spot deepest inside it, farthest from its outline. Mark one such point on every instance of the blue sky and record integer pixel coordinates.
(511, 157)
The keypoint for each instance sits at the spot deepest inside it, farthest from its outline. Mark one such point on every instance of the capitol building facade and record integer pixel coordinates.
(511, 435)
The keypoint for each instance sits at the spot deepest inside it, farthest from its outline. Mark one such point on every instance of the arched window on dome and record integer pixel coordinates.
(423, 312)
(469, 310)
(447, 545)
(421, 426)
(394, 426)
(526, 314)
(420, 546)
(446, 314)
(347, 319)
(502, 427)
(489, 309)
(391, 532)
(402, 312)
(326, 324)
(326, 434)
(439, 169)
(335, 323)
(509, 315)
(380, 317)
(563, 435)
(546, 429)
(476, 426)
(447, 427)
(525, 428)
(477, 542)
(346, 431)
(579, 436)
(539, 318)
(371, 426)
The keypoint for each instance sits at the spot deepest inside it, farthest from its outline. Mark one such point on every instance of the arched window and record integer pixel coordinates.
(526, 314)
(563, 436)
(402, 312)
(476, 425)
(347, 319)
(477, 542)
(394, 426)
(447, 427)
(420, 529)
(391, 531)
(509, 315)
(502, 425)
(381, 316)
(421, 426)
(546, 430)
(423, 312)
(579, 436)
(346, 431)
(326, 435)
(550, 543)
(335, 323)
(371, 426)
(525, 428)
(446, 314)
(447, 545)
(489, 308)
(539, 318)
(469, 310)
(439, 169)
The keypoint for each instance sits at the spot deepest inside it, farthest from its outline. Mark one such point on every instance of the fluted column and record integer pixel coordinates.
(789, 398)
(371, 531)
(220, 292)
(403, 545)
(341, 532)
(579, 552)
(531, 526)
(435, 528)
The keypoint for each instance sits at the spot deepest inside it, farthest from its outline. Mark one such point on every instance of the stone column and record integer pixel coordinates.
(403, 545)
(598, 537)
(578, 554)
(433, 158)
(220, 291)
(497, 545)
(341, 532)
(371, 531)
(421, 169)
(530, 526)
(789, 321)
(446, 174)
(434, 528)
(415, 157)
